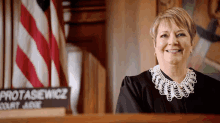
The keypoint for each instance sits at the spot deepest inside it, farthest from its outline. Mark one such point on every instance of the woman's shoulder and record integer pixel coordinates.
(132, 93)
(204, 76)
(205, 79)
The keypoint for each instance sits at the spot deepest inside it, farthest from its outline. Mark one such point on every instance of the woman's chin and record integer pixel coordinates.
(174, 61)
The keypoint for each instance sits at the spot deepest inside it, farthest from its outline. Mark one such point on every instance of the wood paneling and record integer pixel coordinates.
(86, 24)
(90, 37)
(8, 44)
(147, 14)
(1, 43)
(93, 85)
(130, 47)
(85, 21)
(9, 12)
(85, 3)
(101, 89)
(85, 15)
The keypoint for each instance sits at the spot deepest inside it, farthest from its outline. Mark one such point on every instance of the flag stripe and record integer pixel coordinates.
(27, 68)
(29, 24)
(59, 37)
(55, 53)
(39, 16)
(41, 57)
(57, 10)
(19, 80)
(29, 47)
(47, 13)
(55, 81)
(55, 23)
(55, 46)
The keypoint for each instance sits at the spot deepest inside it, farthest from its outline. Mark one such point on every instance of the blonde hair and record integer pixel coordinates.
(177, 15)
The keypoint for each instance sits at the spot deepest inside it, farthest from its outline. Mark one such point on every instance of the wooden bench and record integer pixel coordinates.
(111, 118)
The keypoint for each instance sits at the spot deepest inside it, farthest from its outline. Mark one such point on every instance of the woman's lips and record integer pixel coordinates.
(174, 51)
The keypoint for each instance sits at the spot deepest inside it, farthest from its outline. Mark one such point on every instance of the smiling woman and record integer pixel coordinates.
(170, 87)
(172, 48)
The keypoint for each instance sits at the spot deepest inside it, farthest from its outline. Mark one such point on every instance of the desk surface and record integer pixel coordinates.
(119, 118)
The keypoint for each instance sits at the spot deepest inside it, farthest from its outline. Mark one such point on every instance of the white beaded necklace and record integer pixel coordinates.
(171, 88)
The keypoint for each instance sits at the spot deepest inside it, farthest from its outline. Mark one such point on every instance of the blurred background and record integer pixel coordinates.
(107, 40)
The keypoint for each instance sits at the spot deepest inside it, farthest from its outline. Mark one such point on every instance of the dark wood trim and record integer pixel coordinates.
(85, 22)
(80, 9)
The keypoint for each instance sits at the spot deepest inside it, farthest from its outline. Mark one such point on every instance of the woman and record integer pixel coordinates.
(170, 87)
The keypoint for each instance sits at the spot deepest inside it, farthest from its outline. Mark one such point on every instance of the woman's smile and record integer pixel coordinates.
(174, 51)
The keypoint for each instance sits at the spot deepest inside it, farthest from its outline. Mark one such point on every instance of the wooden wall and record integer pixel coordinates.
(85, 28)
(130, 48)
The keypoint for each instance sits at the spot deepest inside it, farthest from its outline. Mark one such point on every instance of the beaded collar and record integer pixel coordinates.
(171, 88)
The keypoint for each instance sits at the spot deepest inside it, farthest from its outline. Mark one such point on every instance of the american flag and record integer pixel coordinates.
(41, 56)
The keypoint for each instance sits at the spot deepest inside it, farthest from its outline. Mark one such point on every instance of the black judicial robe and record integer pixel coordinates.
(139, 95)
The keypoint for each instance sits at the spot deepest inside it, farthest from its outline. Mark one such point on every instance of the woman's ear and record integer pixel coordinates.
(154, 41)
(192, 43)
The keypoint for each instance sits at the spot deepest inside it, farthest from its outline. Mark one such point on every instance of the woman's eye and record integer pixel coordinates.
(181, 34)
(164, 36)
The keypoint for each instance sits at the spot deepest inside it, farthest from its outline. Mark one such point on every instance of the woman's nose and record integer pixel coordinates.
(172, 40)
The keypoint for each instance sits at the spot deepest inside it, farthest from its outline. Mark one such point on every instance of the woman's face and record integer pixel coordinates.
(173, 44)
